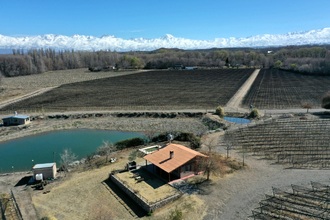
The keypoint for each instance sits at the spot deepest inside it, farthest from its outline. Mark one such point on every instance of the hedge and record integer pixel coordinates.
(133, 142)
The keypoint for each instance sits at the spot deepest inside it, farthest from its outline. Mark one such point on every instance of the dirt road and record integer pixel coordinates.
(236, 101)
(29, 95)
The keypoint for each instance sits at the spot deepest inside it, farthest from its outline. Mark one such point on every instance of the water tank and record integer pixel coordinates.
(39, 177)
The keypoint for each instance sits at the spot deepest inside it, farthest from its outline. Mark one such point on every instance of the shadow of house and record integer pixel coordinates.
(173, 162)
(24, 181)
(149, 178)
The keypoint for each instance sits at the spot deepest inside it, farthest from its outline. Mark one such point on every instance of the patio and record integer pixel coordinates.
(146, 186)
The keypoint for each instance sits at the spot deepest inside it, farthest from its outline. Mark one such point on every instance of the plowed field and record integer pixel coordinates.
(154, 90)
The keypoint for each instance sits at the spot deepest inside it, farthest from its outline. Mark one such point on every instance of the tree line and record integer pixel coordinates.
(308, 59)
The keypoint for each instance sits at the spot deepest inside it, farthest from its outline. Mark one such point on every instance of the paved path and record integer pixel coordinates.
(236, 101)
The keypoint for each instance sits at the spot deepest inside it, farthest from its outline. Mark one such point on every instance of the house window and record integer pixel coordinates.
(187, 167)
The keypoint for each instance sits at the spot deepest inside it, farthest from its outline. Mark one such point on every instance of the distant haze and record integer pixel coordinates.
(91, 43)
(6, 51)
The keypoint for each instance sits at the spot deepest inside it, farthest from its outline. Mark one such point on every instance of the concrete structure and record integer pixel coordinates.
(150, 149)
(174, 161)
(48, 170)
(16, 120)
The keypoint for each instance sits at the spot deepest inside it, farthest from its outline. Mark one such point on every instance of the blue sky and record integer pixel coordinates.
(202, 20)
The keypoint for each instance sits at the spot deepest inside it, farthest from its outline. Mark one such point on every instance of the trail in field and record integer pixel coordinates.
(26, 96)
(236, 101)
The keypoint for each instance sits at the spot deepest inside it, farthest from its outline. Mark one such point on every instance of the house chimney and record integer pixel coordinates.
(171, 154)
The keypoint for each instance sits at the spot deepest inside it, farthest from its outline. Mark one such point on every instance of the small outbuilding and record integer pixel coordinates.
(16, 119)
(44, 171)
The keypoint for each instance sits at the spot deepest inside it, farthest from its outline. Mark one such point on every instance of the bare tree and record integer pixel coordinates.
(307, 106)
(67, 157)
(209, 164)
(210, 143)
(150, 134)
(106, 149)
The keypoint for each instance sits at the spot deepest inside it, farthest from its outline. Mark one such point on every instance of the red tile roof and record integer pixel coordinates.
(181, 155)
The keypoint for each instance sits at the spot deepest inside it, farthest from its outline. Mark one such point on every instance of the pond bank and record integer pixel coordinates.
(154, 123)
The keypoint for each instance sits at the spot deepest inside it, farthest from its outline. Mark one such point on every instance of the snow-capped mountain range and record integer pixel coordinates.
(91, 43)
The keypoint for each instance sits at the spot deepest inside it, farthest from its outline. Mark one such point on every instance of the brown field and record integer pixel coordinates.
(162, 90)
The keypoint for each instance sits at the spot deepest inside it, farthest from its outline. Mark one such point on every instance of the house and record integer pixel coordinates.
(16, 119)
(44, 170)
(190, 68)
(174, 161)
(178, 67)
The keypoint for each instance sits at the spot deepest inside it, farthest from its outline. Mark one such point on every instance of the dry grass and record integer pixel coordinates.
(7, 207)
(73, 202)
(82, 195)
(191, 206)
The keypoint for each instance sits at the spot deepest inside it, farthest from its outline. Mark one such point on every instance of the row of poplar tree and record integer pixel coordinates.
(308, 59)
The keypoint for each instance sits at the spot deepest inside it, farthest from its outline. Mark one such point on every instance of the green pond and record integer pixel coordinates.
(21, 154)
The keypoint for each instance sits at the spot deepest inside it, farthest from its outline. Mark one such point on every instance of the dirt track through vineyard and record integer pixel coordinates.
(236, 101)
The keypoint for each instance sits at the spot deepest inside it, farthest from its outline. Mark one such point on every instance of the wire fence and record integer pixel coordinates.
(301, 203)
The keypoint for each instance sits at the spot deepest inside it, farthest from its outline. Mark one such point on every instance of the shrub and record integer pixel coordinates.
(184, 136)
(48, 218)
(160, 138)
(254, 113)
(176, 215)
(195, 141)
(133, 142)
(278, 64)
(220, 111)
(132, 155)
(326, 101)
(149, 213)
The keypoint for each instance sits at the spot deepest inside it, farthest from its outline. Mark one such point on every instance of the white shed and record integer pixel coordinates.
(48, 170)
